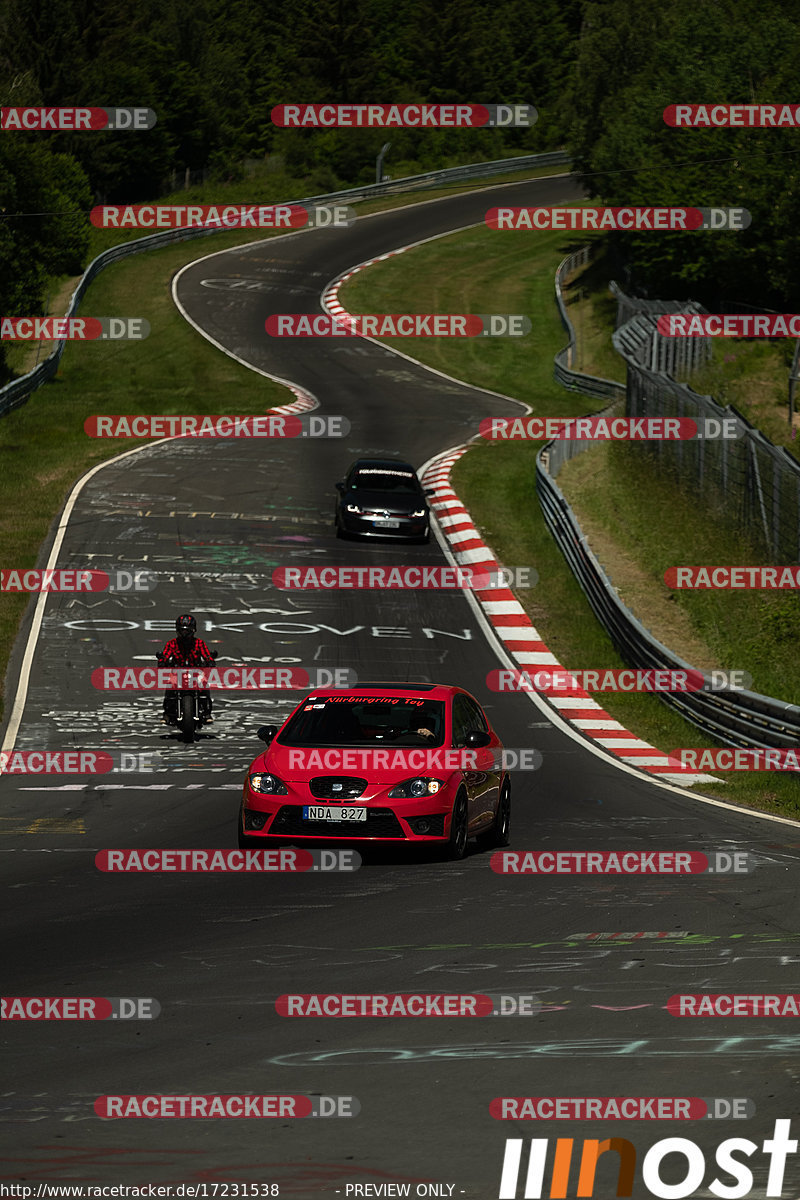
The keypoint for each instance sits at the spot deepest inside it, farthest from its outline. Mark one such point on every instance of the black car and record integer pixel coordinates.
(382, 497)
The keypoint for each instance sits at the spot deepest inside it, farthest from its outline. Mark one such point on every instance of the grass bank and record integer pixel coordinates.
(634, 514)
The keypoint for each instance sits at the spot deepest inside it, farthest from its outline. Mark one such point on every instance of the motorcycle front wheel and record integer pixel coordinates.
(186, 721)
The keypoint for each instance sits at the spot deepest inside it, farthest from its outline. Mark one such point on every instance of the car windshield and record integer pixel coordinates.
(365, 721)
(377, 479)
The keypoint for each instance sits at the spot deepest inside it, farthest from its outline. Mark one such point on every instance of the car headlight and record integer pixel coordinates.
(264, 782)
(418, 512)
(353, 508)
(415, 789)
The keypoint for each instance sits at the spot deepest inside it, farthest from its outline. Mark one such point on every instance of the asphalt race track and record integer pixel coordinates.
(213, 519)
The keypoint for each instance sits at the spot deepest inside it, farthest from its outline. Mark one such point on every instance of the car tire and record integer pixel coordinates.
(459, 832)
(498, 833)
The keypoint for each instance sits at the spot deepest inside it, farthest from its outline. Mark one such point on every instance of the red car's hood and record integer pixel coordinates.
(381, 768)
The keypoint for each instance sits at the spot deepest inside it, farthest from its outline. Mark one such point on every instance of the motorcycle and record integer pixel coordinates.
(187, 712)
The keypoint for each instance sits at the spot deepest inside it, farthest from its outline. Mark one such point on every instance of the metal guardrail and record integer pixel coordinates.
(17, 391)
(734, 718)
(575, 381)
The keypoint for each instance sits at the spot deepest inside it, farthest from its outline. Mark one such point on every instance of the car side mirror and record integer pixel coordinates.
(267, 732)
(340, 486)
(477, 738)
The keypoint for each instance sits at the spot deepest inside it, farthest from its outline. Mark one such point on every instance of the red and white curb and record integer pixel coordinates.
(304, 402)
(506, 616)
(330, 297)
(522, 641)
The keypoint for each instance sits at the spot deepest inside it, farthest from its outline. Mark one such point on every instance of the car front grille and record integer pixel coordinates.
(336, 787)
(380, 823)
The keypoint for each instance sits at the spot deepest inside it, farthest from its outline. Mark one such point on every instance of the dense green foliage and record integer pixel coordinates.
(636, 59)
(213, 71)
(600, 72)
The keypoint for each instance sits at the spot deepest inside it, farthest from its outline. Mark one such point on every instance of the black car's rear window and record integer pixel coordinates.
(378, 480)
(365, 721)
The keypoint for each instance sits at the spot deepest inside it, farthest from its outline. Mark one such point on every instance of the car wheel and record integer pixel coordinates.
(499, 832)
(459, 834)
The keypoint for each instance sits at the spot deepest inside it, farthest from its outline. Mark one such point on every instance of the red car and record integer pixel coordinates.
(381, 762)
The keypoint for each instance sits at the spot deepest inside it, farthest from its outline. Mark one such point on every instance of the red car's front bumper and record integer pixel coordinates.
(426, 819)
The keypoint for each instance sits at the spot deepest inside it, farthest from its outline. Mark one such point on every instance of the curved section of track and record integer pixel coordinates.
(214, 519)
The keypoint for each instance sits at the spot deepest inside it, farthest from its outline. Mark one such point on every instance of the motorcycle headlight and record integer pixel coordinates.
(416, 788)
(263, 782)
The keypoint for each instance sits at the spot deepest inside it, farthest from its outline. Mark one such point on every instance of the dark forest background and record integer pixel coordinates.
(600, 75)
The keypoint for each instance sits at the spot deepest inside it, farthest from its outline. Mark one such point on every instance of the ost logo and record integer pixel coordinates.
(694, 1167)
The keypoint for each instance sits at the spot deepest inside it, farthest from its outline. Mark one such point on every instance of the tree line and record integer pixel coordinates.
(600, 73)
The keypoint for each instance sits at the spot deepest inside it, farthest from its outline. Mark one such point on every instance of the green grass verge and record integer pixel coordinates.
(483, 271)
(267, 188)
(43, 447)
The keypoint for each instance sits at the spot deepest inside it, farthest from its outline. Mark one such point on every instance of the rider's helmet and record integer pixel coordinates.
(186, 628)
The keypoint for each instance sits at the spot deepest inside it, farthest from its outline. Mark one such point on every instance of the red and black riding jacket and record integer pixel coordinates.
(197, 656)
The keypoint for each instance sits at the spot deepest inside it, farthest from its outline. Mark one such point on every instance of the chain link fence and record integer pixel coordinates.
(758, 484)
(746, 479)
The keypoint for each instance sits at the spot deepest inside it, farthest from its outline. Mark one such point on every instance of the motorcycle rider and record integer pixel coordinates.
(187, 650)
